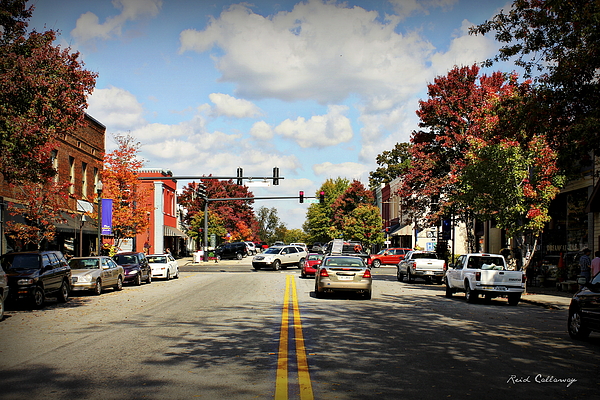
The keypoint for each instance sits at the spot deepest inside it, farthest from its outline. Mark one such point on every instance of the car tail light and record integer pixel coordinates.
(523, 278)
(477, 276)
(414, 265)
(367, 274)
(323, 273)
(445, 266)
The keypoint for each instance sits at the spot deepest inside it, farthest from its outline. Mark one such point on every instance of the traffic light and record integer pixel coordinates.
(301, 196)
(201, 190)
(240, 173)
(322, 197)
(275, 176)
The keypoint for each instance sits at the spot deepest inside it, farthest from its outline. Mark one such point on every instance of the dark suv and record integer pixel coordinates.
(135, 266)
(233, 250)
(34, 275)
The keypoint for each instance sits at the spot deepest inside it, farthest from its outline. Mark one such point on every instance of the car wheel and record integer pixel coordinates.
(256, 267)
(149, 280)
(367, 295)
(399, 275)
(98, 287)
(63, 292)
(376, 263)
(575, 326)
(138, 279)
(300, 263)
(168, 275)
(449, 291)
(318, 295)
(513, 299)
(239, 256)
(119, 284)
(276, 265)
(38, 297)
(470, 295)
(1, 308)
(177, 274)
(409, 277)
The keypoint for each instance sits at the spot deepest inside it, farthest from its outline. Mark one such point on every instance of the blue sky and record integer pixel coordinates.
(316, 88)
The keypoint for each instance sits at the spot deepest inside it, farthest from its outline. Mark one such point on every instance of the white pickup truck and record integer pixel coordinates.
(485, 274)
(422, 264)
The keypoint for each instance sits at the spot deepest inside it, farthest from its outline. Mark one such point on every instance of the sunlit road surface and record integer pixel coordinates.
(219, 333)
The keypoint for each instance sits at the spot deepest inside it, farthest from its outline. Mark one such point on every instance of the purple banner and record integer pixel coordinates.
(107, 205)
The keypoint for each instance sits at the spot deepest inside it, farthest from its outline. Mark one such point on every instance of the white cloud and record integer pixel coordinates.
(406, 8)
(349, 170)
(330, 129)
(88, 25)
(116, 108)
(261, 131)
(231, 107)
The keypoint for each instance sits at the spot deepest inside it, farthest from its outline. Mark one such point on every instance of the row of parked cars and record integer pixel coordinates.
(33, 276)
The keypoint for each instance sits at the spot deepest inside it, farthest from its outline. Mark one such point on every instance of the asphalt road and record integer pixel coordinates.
(215, 333)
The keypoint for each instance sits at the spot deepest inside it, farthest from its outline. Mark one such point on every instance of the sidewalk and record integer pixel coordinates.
(548, 297)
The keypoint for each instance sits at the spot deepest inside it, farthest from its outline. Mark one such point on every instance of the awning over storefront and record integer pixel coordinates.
(72, 222)
(593, 204)
(171, 231)
(401, 230)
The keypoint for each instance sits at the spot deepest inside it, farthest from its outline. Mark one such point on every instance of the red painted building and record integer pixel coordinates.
(162, 232)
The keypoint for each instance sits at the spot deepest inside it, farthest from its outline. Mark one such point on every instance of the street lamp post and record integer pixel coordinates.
(99, 191)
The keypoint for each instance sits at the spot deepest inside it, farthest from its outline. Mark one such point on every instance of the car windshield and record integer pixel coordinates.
(344, 262)
(20, 261)
(273, 250)
(424, 255)
(125, 259)
(84, 263)
(157, 260)
(315, 257)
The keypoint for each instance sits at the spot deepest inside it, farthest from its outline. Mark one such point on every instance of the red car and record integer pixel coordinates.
(309, 267)
(391, 256)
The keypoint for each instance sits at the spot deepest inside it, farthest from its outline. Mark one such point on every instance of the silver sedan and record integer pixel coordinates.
(95, 273)
(341, 274)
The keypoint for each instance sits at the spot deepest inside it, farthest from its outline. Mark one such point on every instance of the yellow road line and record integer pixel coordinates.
(281, 385)
(306, 392)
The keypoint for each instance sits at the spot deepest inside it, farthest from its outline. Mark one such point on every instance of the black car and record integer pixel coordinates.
(584, 311)
(235, 250)
(135, 266)
(34, 275)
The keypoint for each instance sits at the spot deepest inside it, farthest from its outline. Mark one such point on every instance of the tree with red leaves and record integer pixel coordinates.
(43, 92)
(237, 216)
(481, 155)
(121, 183)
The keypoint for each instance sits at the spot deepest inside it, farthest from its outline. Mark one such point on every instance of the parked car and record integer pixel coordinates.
(96, 274)
(391, 256)
(316, 247)
(33, 276)
(163, 266)
(584, 310)
(277, 257)
(343, 273)
(234, 250)
(251, 248)
(135, 266)
(421, 264)
(302, 245)
(310, 264)
(3, 292)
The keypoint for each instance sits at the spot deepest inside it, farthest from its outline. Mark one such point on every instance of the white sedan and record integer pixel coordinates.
(163, 266)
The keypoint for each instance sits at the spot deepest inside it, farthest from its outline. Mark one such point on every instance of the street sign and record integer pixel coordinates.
(311, 201)
(430, 246)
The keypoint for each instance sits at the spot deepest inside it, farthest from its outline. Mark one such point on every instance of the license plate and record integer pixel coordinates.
(345, 278)
(428, 273)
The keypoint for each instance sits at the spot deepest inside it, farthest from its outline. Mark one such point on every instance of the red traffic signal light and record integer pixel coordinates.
(322, 197)
(301, 196)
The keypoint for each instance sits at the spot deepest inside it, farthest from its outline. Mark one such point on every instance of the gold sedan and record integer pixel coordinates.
(343, 274)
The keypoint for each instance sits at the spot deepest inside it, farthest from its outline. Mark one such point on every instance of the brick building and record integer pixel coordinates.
(78, 160)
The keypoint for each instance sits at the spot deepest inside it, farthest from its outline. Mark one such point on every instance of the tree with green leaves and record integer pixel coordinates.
(43, 91)
(215, 226)
(270, 225)
(364, 224)
(318, 224)
(392, 164)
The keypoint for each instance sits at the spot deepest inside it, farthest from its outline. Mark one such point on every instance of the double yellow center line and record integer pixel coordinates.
(281, 386)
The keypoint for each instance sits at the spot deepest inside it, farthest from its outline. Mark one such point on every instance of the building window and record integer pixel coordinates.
(84, 180)
(54, 159)
(95, 179)
(72, 174)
